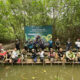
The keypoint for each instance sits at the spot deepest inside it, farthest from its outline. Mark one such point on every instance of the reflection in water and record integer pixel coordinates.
(6, 74)
(1, 78)
(38, 72)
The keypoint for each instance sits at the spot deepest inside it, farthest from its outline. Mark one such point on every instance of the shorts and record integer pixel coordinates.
(41, 59)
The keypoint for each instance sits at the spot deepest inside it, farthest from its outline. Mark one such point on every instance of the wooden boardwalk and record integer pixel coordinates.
(46, 62)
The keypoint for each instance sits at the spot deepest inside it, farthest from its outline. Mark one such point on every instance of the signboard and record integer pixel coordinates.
(45, 32)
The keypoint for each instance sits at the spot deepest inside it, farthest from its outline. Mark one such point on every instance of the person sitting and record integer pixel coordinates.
(20, 60)
(52, 55)
(34, 55)
(61, 54)
(23, 55)
(14, 55)
(2, 54)
(70, 56)
(78, 56)
(8, 57)
(41, 55)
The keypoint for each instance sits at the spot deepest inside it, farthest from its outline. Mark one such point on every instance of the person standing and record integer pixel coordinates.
(41, 43)
(77, 44)
(26, 45)
(30, 46)
(17, 44)
(57, 44)
(50, 44)
(68, 45)
(1, 47)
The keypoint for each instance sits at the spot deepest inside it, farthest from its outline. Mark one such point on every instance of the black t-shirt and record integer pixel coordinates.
(60, 54)
(17, 45)
(68, 44)
(34, 54)
(8, 55)
(57, 43)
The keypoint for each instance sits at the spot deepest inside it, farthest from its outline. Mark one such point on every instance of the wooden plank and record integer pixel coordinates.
(46, 61)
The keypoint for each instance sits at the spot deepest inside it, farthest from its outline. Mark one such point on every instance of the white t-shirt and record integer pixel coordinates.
(77, 43)
(14, 54)
(42, 54)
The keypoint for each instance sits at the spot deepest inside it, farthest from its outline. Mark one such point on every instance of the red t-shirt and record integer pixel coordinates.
(2, 54)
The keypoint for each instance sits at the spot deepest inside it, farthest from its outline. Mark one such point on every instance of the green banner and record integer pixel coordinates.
(45, 32)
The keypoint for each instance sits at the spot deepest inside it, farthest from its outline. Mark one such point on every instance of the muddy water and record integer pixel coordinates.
(39, 72)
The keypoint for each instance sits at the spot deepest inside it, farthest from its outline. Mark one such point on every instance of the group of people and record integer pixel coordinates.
(36, 49)
(40, 43)
(60, 55)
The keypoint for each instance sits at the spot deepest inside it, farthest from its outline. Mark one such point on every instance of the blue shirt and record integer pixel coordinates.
(51, 43)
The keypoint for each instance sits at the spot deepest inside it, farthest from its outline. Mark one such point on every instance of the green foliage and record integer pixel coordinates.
(63, 15)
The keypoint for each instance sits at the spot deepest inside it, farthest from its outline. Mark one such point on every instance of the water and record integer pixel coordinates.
(39, 72)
